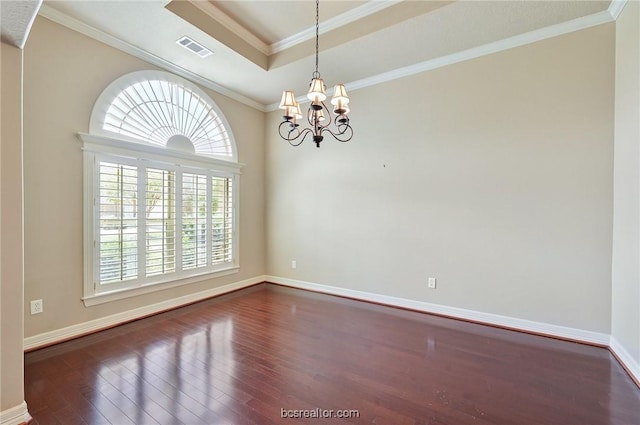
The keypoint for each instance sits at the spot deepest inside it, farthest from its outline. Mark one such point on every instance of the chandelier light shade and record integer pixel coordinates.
(288, 100)
(318, 113)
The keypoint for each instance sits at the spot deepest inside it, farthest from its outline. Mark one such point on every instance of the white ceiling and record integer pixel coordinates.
(263, 47)
(268, 22)
(16, 17)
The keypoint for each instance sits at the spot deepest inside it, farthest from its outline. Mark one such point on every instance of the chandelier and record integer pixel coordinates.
(318, 115)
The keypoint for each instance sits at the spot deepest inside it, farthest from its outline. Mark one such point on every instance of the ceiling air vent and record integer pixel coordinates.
(194, 46)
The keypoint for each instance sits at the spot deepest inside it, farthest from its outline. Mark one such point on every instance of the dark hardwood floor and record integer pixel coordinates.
(250, 356)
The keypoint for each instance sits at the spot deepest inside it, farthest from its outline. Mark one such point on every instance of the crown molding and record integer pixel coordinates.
(615, 8)
(229, 23)
(58, 17)
(476, 52)
(609, 15)
(331, 24)
(487, 49)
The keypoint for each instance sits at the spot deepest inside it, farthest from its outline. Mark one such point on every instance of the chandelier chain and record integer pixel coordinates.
(316, 74)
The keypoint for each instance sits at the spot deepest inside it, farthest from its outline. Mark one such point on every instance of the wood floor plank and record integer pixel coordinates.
(248, 357)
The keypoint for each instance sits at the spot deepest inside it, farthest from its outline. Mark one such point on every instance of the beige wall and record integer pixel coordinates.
(11, 264)
(64, 74)
(493, 175)
(626, 224)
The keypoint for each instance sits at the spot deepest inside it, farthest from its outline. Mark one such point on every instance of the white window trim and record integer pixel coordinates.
(101, 146)
(112, 91)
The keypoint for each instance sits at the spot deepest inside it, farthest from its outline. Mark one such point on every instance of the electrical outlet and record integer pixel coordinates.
(37, 307)
(431, 283)
(294, 264)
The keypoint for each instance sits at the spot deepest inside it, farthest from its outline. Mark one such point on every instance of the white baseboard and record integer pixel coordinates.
(628, 362)
(73, 331)
(540, 328)
(19, 414)
(15, 415)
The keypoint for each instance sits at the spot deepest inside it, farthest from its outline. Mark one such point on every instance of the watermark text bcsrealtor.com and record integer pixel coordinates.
(319, 413)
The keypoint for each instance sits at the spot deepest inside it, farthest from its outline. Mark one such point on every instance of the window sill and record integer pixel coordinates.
(121, 294)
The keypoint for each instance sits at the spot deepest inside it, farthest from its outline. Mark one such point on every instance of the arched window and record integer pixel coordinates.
(165, 110)
(161, 187)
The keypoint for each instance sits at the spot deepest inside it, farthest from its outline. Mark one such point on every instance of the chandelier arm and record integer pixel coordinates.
(339, 135)
(327, 117)
(338, 123)
(306, 132)
(310, 119)
(293, 133)
(286, 134)
(313, 123)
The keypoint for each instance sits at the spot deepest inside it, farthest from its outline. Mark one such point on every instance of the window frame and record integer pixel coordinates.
(113, 91)
(97, 147)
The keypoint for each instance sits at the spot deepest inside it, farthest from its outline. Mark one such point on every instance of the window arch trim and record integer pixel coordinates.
(120, 85)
